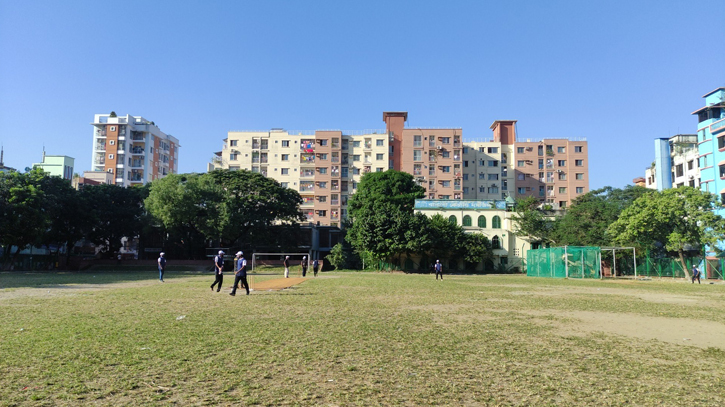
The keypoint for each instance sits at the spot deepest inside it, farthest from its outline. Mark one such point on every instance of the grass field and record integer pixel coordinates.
(359, 339)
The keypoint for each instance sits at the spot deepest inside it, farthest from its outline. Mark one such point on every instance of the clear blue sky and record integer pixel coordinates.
(619, 73)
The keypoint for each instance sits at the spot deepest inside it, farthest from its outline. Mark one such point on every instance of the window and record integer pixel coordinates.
(356, 143)
(233, 143)
(578, 149)
(446, 140)
(561, 149)
(481, 221)
(562, 190)
(446, 168)
(562, 204)
(482, 189)
(417, 141)
(493, 150)
(519, 150)
(285, 171)
(521, 190)
(492, 177)
(579, 190)
(493, 163)
(445, 154)
(495, 242)
(323, 184)
(285, 143)
(579, 176)
(562, 176)
(356, 171)
(679, 170)
(493, 190)
(417, 155)
(323, 142)
(356, 157)
(284, 184)
(466, 220)
(322, 170)
(322, 198)
(520, 163)
(465, 177)
(690, 164)
(561, 163)
(496, 222)
(379, 157)
(380, 142)
(379, 169)
(453, 219)
(579, 163)
(322, 213)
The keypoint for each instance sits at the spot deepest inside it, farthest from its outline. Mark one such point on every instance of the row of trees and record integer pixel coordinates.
(673, 221)
(44, 211)
(185, 211)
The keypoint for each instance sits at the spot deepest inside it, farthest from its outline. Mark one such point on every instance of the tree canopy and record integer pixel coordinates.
(675, 218)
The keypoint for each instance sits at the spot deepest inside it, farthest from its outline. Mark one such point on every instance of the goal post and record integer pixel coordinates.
(295, 257)
(622, 269)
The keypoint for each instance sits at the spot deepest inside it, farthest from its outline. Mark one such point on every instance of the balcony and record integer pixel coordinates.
(255, 146)
(369, 146)
(100, 146)
(137, 150)
(335, 202)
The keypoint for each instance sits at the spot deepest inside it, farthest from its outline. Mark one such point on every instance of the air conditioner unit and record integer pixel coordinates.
(558, 170)
(439, 147)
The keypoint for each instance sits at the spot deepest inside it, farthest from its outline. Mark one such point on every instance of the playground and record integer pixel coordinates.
(348, 338)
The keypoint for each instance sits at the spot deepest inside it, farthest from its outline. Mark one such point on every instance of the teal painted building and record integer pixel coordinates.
(57, 165)
(711, 143)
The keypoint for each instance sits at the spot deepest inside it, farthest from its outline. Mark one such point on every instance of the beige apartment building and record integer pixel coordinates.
(325, 167)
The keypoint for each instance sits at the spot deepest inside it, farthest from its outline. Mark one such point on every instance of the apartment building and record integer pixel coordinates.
(675, 164)
(133, 149)
(711, 143)
(57, 165)
(323, 166)
(326, 166)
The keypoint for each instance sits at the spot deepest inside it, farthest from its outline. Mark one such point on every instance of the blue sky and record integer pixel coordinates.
(618, 73)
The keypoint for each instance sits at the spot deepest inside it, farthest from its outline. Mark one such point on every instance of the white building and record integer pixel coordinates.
(676, 163)
(133, 149)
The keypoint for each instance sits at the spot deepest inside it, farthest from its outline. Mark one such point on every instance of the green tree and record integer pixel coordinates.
(24, 219)
(68, 212)
(188, 207)
(676, 218)
(447, 238)
(251, 203)
(115, 212)
(585, 223)
(531, 222)
(337, 257)
(476, 249)
(383, 222)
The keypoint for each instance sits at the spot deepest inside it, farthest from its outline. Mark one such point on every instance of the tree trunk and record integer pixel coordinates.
(684, 265)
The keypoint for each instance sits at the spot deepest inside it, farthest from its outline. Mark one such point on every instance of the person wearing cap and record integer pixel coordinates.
(162, 266)
(240, 274)
(286, 267)
(438, 269)
(304, 265)
(315, 266)
(218, 271)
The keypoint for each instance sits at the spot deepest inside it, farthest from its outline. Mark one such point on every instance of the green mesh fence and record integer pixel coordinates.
(563, 262)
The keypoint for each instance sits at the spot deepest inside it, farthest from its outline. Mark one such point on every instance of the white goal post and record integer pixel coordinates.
(299, 255)
(614, 259)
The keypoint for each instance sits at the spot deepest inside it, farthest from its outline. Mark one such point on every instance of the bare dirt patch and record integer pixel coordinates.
(277, 283)
(67, 289)
(681, 331)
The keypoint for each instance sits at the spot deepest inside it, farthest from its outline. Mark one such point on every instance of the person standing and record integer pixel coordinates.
(695, 275)
(315, 266)
(286, 267)
(218, 271)
(162, 265)
(438, 269)
(304, 265)
(240, 275)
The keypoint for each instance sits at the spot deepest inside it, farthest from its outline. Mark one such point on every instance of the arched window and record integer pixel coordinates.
(453, 219)
(496, 222)
(466, 220)
(495, 243)
(481, 221)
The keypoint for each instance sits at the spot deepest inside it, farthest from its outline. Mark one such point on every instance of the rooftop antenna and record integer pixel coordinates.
(2, 153)
(43, 154)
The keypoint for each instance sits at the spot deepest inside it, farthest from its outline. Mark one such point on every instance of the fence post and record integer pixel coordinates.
(566, 263)
(634, 255)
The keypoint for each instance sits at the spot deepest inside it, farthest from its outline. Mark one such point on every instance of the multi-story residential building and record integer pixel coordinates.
(323, 166)
(133, 149)
(57, 165)
(711, 143)
(675, 164)
(326, 166)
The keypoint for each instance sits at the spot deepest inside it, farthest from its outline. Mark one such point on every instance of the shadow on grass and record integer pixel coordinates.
(27, 279)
